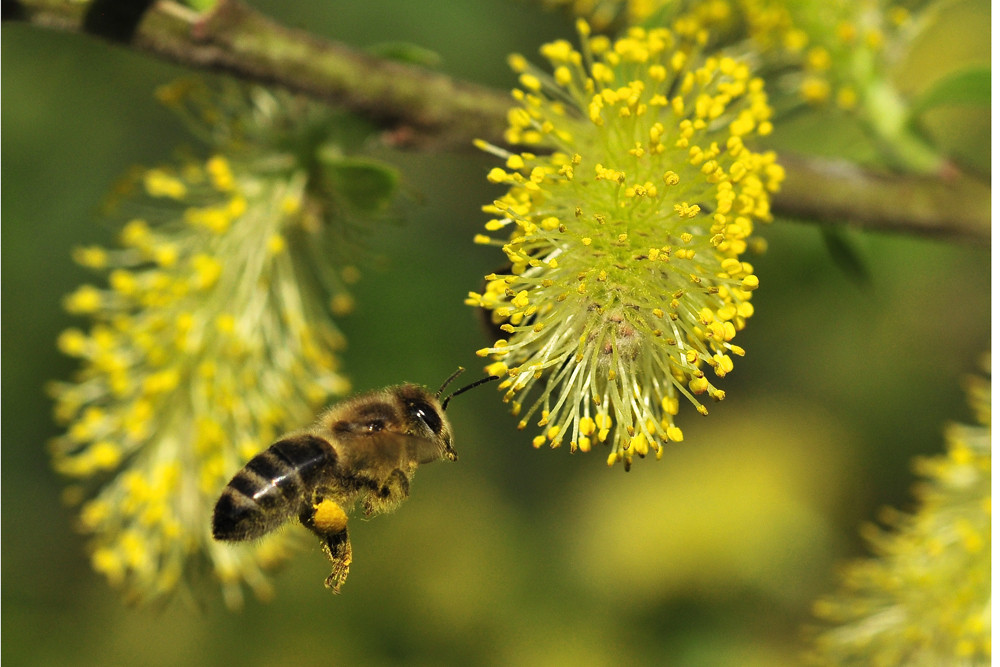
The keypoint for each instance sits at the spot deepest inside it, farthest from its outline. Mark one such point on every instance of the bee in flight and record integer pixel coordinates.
(364, 449)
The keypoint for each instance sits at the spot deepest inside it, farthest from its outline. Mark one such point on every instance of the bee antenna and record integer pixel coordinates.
(488, 378)
(448, 381)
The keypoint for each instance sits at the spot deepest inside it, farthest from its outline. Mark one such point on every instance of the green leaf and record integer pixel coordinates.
(846, 255)
(366, 184)
(969, 86)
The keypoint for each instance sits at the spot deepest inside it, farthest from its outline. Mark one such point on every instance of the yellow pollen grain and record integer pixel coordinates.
(236, 207)
(290, 204)
(276, 244)
(225, 323)
(166, 255)
(86, 299)
(698, 385)
(105, 454)
(497, 175)
(329, 517)
(124, 282)
(530, 81)
(521, 300)
(517, 62)
(158, 184)
(72, 342)
(93, 257)
(107, 562)
(219, 171)
(341, 304)
(847, 99)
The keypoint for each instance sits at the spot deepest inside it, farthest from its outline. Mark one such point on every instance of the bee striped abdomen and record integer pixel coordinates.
(270, 489)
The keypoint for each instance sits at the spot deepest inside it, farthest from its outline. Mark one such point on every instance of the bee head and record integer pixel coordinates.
(425, 412)
(425, 418)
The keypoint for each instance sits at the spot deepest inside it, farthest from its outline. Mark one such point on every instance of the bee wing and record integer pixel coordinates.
(424, 450)
(384, 451)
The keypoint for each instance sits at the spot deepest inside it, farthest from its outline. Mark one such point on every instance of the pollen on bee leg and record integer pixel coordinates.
(338, 549)
(329, 517)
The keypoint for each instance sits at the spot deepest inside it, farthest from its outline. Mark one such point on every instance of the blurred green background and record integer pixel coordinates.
(711, 556)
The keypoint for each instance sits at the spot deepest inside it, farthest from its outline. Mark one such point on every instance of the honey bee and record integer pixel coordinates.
(364, 449)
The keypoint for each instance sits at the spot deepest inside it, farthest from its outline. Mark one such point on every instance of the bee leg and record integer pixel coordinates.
(338, 549)
(328, 520)
(394, 491)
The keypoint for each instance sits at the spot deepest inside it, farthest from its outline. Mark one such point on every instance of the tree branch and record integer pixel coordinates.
(428, 110)
(949, 206)
(421, 108)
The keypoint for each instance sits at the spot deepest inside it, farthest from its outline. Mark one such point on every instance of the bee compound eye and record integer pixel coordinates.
(426, 413)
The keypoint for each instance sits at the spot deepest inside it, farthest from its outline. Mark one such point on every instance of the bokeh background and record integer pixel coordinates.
(711, 556)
